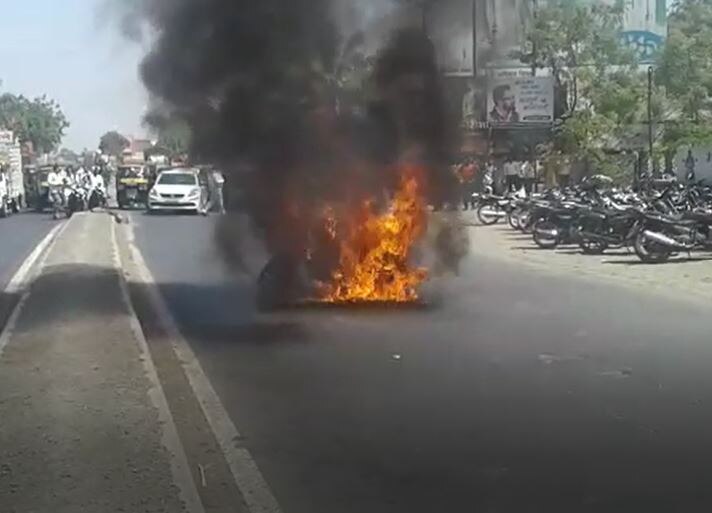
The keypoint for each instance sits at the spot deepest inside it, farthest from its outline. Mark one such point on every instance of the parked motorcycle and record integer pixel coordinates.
(492, 209)
(599, 230)
(559, 226)
(661, 236)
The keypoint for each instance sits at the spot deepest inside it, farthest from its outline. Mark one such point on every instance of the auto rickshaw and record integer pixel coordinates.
(132, 185)
(37, 188)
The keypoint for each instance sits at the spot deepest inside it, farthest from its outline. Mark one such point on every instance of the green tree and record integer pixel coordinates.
(684, 69)
(175, 136)
(600, 88)
(68, 156)
(39, 121)
(113, 143)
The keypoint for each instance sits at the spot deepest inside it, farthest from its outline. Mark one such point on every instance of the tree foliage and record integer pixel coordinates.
(39, 121)
(685, 71)
(113, 143)
(175, 136)
(601, 89)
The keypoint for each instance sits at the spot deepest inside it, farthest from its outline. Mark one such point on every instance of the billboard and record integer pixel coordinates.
(517, 97)
(644, 26)
(7, 137)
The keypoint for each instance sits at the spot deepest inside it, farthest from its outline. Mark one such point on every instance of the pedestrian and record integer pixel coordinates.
(564, 173)
(511, 174)
(488, 178)
(215, 196)
(219, 186)
(528, 176)
(466, 173)
(690, 168)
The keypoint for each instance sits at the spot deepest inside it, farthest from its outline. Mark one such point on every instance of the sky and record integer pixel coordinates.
(68, 51)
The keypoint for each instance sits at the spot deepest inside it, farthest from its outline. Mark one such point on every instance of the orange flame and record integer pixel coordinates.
(375, 247)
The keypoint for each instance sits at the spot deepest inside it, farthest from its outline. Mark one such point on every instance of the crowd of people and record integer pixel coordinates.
(62, 180)
(503, 176)
(68, 176)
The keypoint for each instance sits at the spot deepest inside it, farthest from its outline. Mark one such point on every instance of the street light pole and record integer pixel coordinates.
(650, 118)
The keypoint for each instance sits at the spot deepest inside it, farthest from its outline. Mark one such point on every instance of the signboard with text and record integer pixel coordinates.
(7, 137)
(519, 98)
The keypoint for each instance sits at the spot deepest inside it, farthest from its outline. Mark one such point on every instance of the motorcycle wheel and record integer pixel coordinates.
(525, 223)
(592, 247)
(650, 251)
(275, 284)
(487, 214)
(546, 234)
(513, 219)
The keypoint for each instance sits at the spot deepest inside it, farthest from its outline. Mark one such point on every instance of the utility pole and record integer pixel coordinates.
(650, 119)
(474, 38)
(425, 10)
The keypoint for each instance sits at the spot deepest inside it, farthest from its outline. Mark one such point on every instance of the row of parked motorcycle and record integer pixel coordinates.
(69, 199)
(659, 220)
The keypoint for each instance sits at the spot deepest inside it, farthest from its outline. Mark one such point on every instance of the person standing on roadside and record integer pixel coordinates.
(528, 176)
(511, 174)
(466, 173)
(219, 185)
(488, 178)
(564, 173)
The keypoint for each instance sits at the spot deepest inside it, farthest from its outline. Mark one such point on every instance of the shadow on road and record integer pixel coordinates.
(675, 261)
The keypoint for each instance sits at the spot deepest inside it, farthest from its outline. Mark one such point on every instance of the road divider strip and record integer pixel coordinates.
(170, 438)
(246, 474)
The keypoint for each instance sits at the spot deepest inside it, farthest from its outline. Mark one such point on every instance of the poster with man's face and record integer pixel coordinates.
(520, 99)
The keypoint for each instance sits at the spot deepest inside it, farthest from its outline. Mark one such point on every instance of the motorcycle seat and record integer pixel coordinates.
(700, 217)
(674, 221)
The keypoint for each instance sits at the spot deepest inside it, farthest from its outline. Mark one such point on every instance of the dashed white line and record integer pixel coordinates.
(20, 281)
(247, 476)
(180, 469)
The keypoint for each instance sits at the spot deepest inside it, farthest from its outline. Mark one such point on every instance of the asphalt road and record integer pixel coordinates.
(515, 390)
(19, 234)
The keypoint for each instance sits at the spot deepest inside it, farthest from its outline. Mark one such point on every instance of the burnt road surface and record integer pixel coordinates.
(516, 390)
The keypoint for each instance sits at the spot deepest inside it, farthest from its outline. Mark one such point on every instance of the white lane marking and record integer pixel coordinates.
(24, 276)
(19, 279)
(180, 469)
(247, 476)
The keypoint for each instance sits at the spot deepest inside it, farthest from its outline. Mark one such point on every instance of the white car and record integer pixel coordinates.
(177, 189)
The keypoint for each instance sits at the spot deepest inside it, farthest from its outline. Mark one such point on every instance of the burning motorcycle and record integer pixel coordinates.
(358, 253)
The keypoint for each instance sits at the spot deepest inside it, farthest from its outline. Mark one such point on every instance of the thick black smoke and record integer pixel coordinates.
(258, 82)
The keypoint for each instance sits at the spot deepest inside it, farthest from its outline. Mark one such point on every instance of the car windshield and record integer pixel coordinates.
(129, 172)
(177, 179)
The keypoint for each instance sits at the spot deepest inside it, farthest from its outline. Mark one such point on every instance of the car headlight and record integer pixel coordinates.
(194, 192)
(154, 193)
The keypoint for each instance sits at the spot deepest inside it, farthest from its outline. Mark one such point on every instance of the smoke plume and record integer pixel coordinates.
(260, 84)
